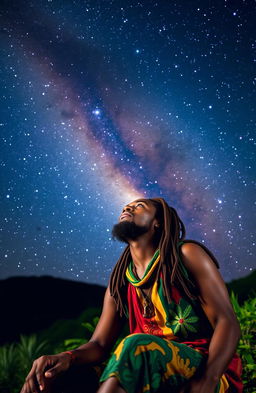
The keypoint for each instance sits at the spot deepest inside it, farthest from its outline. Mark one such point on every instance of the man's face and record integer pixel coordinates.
(136, 219)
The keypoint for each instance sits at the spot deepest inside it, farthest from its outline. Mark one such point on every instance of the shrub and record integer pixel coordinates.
(16, 360)
(9, 368)
(247, 344)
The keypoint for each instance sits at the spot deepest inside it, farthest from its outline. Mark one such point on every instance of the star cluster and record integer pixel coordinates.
(107, 101)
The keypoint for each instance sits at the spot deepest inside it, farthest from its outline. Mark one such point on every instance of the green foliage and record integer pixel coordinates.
(73, 343)
(247, 344)
(8, 367)
(29, 349)
(91, 326)
(16, 359)
(60, 330)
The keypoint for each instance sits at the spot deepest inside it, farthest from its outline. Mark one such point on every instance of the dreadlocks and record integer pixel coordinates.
(168, 235)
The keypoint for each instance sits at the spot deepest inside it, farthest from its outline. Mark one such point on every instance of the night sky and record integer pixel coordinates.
(106, 101)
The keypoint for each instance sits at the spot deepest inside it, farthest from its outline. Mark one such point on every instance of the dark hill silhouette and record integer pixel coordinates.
(29, 304)
(243, 287)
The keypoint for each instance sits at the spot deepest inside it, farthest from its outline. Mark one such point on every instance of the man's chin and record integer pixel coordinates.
(127, 230)
(119, 231)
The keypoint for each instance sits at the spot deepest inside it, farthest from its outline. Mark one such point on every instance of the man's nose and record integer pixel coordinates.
(127, 209)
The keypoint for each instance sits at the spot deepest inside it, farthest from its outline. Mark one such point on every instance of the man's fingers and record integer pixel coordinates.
(40, 379)
(32, 386)
(24, 388)
(42, 369)
(42, 363)
(31, 372)
(39, 374)
(52, 371)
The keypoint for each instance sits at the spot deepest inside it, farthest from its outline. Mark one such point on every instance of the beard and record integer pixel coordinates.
(125, 230)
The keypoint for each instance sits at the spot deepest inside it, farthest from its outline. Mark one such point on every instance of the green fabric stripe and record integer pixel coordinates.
(163, 298)
(134, 278)
(130, 267)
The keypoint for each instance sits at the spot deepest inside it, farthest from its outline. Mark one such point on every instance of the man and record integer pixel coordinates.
(183, 328)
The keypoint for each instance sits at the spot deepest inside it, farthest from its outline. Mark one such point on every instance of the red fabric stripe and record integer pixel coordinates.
(136, 320)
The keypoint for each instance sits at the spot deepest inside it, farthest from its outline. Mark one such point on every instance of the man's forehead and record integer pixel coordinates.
(146, 201)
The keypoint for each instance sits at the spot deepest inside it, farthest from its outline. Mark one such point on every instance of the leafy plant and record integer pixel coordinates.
(91, 326)
(247, 344)
(73, 343)
(30, 348)
(16, 360)
(8, 367)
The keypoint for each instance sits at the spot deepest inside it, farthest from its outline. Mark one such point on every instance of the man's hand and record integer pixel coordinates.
(44, 369)
(47, 367)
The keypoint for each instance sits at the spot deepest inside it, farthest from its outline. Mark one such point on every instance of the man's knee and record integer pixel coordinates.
(138, 343)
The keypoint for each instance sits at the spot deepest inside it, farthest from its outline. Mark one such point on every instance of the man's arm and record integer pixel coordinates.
(96, 350)
(217, 307)
(104, 336)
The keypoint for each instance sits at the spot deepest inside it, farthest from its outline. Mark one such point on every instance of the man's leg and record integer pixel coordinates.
(111, 385)
(143, 362)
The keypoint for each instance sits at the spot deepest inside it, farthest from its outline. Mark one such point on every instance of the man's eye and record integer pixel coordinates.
(139, 204)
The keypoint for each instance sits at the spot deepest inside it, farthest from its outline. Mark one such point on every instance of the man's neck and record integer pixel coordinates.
(142, 254)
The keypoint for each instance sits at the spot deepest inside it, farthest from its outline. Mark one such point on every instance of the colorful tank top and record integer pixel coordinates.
(183, 320)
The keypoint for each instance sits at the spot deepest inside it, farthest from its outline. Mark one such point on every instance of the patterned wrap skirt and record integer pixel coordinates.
(144, 363)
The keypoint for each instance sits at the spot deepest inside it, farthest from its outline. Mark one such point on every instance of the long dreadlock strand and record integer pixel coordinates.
(168, 244)
(117, 279)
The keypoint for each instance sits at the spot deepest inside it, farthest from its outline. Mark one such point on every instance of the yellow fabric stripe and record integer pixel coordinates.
(149, 347)
(160, 314)
(128, 275)
(145, 279)
(178, 365)
(224, 385)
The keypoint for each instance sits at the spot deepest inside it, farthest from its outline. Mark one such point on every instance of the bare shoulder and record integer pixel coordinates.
(189, 247)
(213, 294)
(198, 258)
